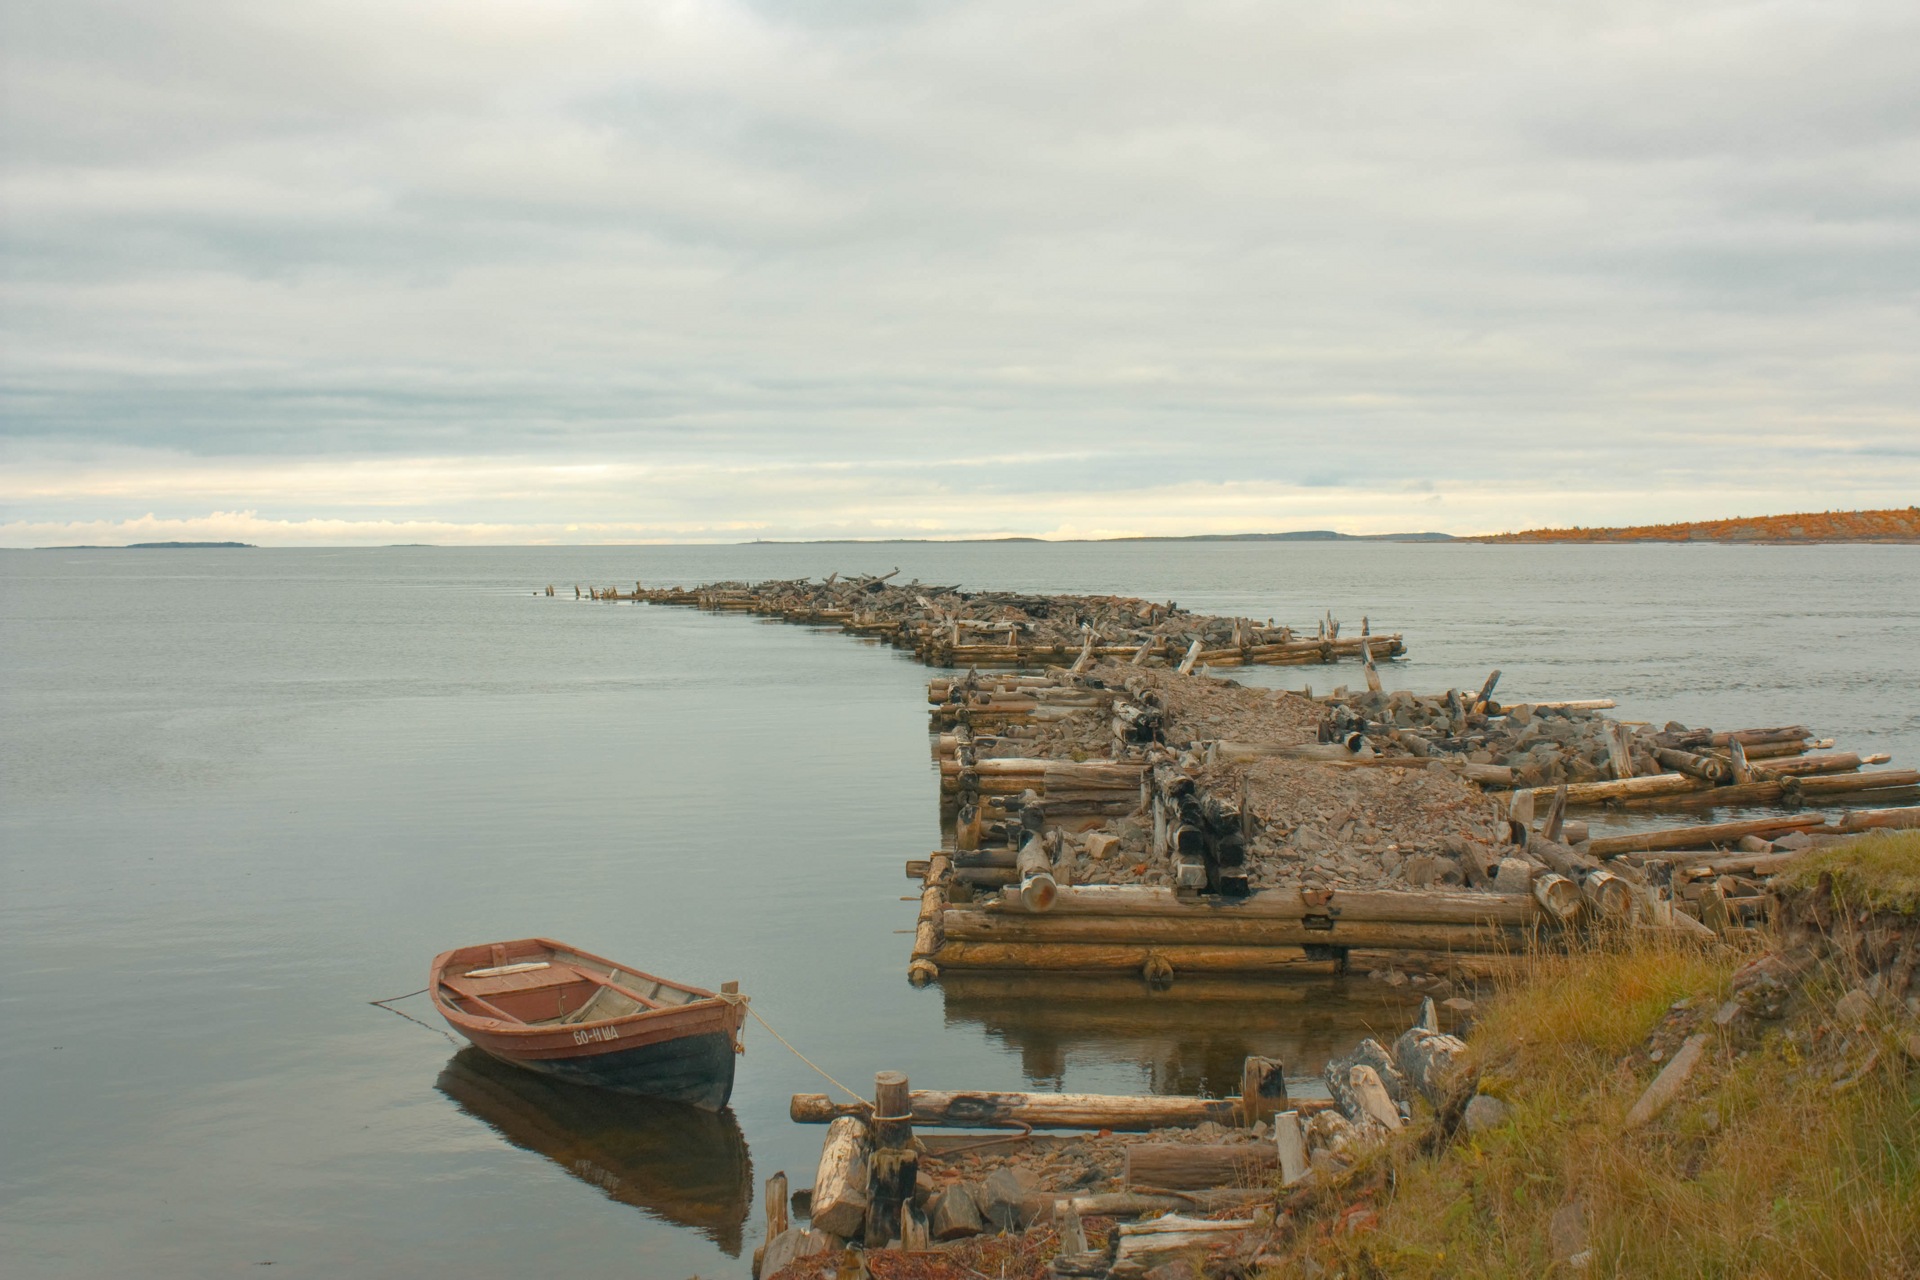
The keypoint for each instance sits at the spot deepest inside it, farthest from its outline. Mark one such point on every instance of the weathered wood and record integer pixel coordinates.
(1157, 960)
(1291, 1143)
(1338, 1074)
(1737, 757)
(1667, 1085)
(963, 924)
(1689, 837)
(1132, 1204)
(1658, 784)
(1037, 890)
(1370, 1095)
(895, 1163)
(1186, 1166)
(1707, 768)
(840, 1192)
(1263, 1089)
(1343, 905)
(1557, 894)
(1865, 819)
(975, 1109)
(1752, 737)
(1145, 1245)
(1552, 826)
(777, 1205)
(1841, 784)
(1610, 897)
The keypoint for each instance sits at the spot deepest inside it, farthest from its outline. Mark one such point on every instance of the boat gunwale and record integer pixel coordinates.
(704, 1001)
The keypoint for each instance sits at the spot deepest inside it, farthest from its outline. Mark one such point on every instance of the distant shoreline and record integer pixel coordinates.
(158, 546)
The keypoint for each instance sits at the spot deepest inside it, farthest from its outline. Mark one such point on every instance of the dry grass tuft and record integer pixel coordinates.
(1760, 1168)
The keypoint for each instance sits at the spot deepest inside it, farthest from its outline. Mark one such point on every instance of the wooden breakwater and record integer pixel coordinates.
(944, 626)
(1109, 807)
(1118, 820)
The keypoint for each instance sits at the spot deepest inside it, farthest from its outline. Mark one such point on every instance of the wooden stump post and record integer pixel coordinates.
(895, 1165)
(1263, 1090)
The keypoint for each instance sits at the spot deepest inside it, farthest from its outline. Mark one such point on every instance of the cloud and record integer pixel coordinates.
(1622, 253)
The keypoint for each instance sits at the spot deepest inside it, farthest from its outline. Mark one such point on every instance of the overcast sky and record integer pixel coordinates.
(344, 271)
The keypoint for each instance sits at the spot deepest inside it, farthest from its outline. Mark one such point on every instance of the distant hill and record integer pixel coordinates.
(1300, 535)
(1896, 524)
(160, 546)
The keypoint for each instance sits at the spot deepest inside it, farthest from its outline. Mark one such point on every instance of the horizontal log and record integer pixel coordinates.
(1841, 783)
(1869, 819)
(1343, 905)
(1191, 1166)
(1801, 766)
(1135, 1204)
(964, 925)
(1073, 957)
(1694, 837)
(980, 1109)
(1659, 784)
(1729, 864)
(1740, 793)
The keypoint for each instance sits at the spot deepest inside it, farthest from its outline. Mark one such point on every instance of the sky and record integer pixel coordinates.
(581, 271)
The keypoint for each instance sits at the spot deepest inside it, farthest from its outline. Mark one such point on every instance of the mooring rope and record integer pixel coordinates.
(737, 998)
(387, 1004)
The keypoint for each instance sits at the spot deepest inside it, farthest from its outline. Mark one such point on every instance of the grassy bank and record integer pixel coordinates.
(1794, 1149)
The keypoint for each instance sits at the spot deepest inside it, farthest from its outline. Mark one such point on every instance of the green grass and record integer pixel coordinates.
(1880, 871)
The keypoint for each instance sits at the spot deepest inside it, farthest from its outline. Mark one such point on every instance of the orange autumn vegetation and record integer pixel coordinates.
(1896, 524)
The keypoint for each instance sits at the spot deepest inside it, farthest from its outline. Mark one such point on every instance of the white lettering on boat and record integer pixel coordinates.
(596, 1033)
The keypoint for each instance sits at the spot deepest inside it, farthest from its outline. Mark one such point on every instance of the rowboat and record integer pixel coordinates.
(547, 1007)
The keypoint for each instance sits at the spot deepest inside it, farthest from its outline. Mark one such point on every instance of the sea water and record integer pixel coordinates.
(246, 792)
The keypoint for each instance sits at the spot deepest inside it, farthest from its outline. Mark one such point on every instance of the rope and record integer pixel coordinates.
(736, 998)
(388, 1003)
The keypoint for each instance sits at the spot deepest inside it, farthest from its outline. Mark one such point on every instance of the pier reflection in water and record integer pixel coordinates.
(1189, 1038)
(676, 1163)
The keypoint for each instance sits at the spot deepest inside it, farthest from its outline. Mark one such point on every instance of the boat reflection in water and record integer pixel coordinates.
(674, 1162)
(1188, 1038)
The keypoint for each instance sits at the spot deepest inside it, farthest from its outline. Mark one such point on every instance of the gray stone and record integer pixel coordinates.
(1567, 1231)
(1485, 1112)
(1009, 1199)
(1853, 1008)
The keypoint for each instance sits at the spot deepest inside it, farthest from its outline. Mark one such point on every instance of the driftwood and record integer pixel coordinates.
(1338, 1075)
(1341, 906)
(1183, 1166)
(1263, 1089)
(1685, 837)
(840, 1194)
(1145, 1245)
(1041, 1110)
(1667, 1085)
(1219, 928)
(1291, 1142)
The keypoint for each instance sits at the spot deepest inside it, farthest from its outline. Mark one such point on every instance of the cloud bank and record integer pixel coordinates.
(573, 270)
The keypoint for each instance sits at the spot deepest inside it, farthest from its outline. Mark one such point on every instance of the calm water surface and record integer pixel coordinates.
(247, 792)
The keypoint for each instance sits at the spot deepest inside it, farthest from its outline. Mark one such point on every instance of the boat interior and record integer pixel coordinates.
(541, 986)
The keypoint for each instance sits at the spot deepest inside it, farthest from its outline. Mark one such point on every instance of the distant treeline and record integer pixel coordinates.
(1895, 524)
